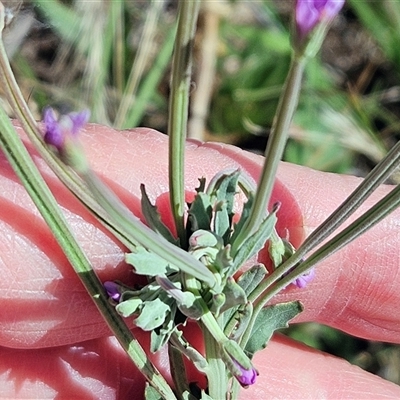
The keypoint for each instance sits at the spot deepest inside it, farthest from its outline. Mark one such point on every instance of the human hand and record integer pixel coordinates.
(55, 342)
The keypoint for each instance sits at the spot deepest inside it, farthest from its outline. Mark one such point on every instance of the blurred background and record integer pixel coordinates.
(113, 57)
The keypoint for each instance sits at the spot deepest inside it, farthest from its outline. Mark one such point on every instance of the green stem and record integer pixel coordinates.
(378, 175)
(65, 174)
(143, 235)
(178, 109)
(366, 221)
(30, 177)
(129, 234)
(216, 370)
(274, 151)
(178, 370)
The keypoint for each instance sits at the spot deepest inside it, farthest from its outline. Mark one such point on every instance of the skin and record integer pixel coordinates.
(54, 343)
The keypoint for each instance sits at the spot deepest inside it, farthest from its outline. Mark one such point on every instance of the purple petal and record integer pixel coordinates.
(307, 17)
(310, 12)
(247, 376)
(113, 290)
(79, 119)
(302, 281)
(332, 8)
(53, 133)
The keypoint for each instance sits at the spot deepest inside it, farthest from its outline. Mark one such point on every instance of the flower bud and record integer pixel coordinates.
(113, 290)
(238, 363)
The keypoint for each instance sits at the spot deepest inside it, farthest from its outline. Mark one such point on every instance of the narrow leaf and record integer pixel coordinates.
(250, 279)
(254, 243)
(200, 212)
(222, 221)
(243, 218)
(153, 218)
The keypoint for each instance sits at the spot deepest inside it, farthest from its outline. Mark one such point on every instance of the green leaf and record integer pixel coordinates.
(188, 396)
(181, 344)
(244, 216)
(250, 279)
(128, 307)
(224, 189)
(222, 220)
(153, 218)
(254, 243)
(268, 321)
(61, 17)
(223, 260)
(151, 394)
(243, 316)
(160, 336)
(234, 295)
(276, 250)
(200, 212)
(147, 263)
(152, 314)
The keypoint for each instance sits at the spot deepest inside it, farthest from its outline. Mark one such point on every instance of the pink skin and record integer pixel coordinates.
(49, 322)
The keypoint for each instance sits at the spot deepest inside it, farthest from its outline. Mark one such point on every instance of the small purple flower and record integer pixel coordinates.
(113, 290)
(246, 377)
(309, 13)
(58, 130)
(302, 281)
(238, 363)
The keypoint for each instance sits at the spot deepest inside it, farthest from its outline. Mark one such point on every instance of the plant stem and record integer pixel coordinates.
(65, 174)
(128, 232)
(366, 221)
(216, 370)
(143, 235)
(178, 109)
(274, 151)
(178, 370)
(30, 177)
(378, 175)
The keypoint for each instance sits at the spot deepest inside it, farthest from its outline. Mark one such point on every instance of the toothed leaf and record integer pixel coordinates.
(152, 315)
(147, 263)
(268, 321)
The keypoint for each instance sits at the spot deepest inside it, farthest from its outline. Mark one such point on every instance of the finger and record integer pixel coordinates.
(46, 305)
(289, 370)
(356, 289)
(99, 369)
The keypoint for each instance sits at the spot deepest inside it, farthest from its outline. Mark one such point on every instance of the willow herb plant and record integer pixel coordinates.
(193, 275)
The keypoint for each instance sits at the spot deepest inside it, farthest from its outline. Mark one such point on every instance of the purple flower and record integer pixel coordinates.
(309, 13)
(246, 377)
(67, 126)
(113, 290)
(238, 363)
(302, 281)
